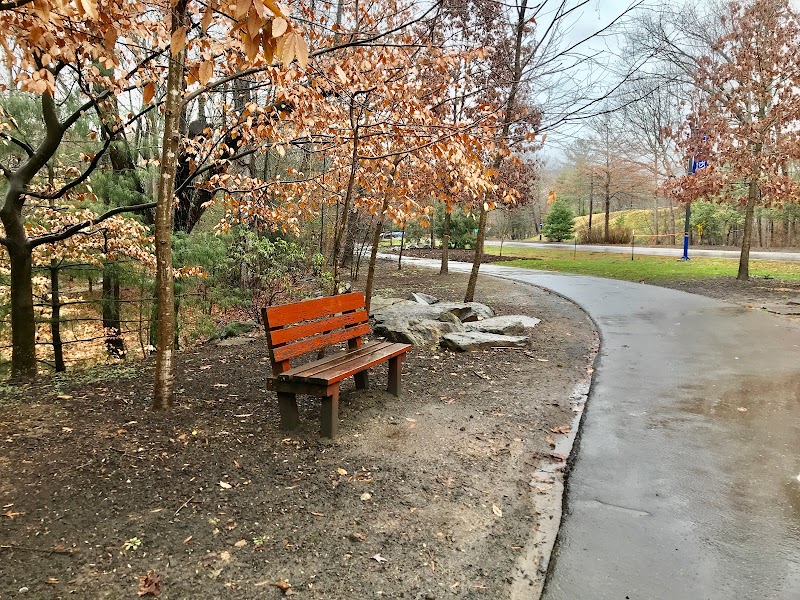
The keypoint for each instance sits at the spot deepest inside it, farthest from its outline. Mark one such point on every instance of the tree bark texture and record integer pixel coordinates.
(376, 236)
(443, 270)
(744, 257)
(476, 263)
(110, 302)
(165, 285)
(55, 318)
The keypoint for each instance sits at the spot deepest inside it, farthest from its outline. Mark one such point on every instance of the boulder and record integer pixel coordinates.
(422, 324)
(505, 325)
(421, 298)
(379, 303)
(478, 340)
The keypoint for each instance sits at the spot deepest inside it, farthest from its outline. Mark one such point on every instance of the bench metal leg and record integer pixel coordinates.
(290, 417)
(395, 369)
(329, 419)
(362, 380)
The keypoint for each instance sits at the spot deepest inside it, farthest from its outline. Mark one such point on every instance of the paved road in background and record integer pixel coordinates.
(675, 251)
(685, 482)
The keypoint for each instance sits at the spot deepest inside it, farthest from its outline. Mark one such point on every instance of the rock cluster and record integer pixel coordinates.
(460, 326)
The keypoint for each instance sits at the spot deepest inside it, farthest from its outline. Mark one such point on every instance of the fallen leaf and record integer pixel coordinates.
(53, 580)
(562, 429)
(379, 558)
(220, 385)
(67, 429)
(188, 539)
(366, 496)
(225, 556)
(542, 360)
(317, 514)
(549, 439)
(742, 409)
(11, 514)
(150, 584)
(64, 397)
(240, 544)
(204, 367)
(341, 471)
(358, 537)
(225, 485)
(496, 510)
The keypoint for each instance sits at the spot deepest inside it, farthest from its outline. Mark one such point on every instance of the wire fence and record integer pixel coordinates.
(88, 314)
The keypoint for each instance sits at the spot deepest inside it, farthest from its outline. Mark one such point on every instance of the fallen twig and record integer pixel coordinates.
(184, 505)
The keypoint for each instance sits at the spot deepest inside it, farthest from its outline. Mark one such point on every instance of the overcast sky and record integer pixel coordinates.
(590, 19)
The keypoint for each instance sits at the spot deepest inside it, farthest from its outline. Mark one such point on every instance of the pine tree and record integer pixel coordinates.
(558, 222)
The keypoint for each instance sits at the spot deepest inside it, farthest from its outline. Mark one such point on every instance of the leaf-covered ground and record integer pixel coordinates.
(427, 496)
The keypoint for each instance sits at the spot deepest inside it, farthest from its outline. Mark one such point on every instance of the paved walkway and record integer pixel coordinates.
(686, 480)
(676, 251)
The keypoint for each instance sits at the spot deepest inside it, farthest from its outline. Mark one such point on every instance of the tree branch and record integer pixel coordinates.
(14, 4)
(94, 162)
(51, 238)
(21, 143)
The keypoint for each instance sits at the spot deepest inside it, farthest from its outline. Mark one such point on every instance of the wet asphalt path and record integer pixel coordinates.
(676, 491)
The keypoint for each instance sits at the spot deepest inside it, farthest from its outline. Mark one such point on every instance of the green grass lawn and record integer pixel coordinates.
(646, 268)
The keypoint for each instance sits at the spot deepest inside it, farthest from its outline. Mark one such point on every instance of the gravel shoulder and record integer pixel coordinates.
(433, 495)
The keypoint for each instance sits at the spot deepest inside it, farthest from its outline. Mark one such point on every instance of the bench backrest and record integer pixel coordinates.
(295, 329)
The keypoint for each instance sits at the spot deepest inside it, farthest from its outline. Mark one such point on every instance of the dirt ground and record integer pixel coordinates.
(429, 496)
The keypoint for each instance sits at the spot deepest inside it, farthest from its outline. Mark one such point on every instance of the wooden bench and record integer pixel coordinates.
(313, 325)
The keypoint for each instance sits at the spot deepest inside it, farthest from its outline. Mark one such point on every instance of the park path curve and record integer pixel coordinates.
(685, 482)
(675, 251)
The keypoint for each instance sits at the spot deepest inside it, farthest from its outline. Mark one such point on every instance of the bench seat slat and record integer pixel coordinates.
(297, 332)
(321, 341)
(278, 316)
(341, 365)
(318, 366)
(324, 362)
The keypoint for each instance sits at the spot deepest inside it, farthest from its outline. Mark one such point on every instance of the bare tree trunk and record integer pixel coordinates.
(607, 201)
(744, 257)
(402, 247)
(23, 326)
(591, 203)
(672, 220)
(443, 270)
(110, 304)
(342, 226)
(376, 236)
(655, 219)
(476, 263)
(350, 240)
(55, 317)
(433, 235)
(760, 228)
(165, 290)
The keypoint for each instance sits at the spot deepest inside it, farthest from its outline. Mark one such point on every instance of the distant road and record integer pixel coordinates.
(676, 251)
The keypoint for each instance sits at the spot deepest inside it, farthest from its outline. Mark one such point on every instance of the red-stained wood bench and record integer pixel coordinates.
(312, 325)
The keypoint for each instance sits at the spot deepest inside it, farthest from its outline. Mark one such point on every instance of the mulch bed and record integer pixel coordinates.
(428, 496)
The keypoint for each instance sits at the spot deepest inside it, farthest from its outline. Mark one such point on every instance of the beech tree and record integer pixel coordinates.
(746, 121)
(54, 52)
